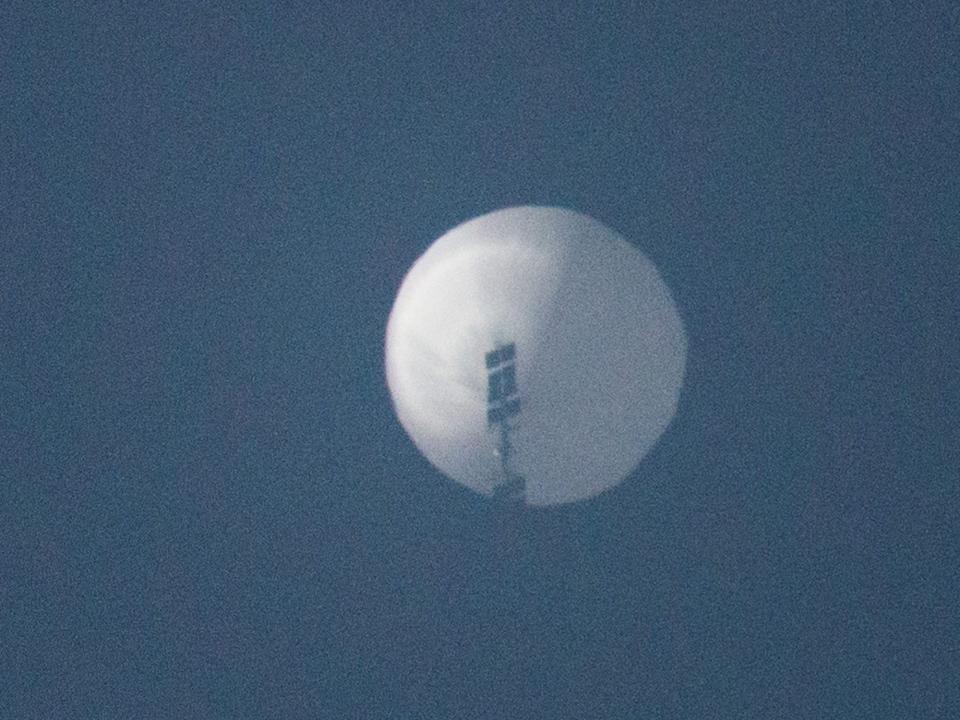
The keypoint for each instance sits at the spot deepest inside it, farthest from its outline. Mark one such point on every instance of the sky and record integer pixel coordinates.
(207, 506)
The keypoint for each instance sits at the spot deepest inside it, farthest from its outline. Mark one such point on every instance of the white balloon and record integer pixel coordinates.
(600, 352)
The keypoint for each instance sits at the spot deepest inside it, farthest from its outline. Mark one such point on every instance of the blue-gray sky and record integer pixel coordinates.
(207, 507)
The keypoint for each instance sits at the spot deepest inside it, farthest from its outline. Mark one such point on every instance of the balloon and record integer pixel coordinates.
(542, 329)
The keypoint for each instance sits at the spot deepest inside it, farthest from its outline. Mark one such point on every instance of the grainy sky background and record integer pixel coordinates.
(207, 507)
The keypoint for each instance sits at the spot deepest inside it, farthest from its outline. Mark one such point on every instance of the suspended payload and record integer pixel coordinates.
(533, 354)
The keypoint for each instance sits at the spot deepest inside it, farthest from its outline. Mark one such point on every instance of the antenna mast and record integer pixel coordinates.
(503, 403)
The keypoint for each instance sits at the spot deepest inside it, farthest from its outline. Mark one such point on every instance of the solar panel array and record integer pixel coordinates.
(503, 401)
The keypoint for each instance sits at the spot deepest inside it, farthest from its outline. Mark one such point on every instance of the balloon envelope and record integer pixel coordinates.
(600, 352)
